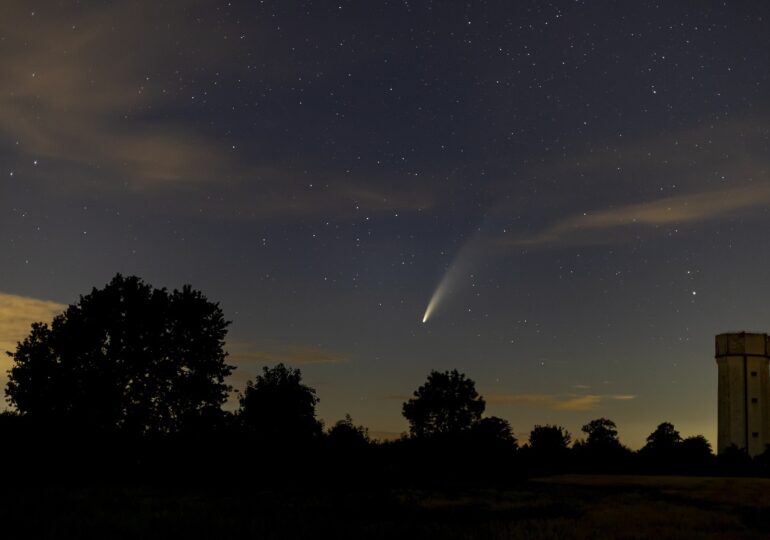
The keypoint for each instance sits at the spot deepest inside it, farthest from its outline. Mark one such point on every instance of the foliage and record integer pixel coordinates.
(602, 450)
(663, 440)
(344, 434)
(549, 440)
(495, 432)
(278, 408)
(697, 445)
(695, 453)
(602, 433)
(734, 460)
(128, 358)
(447, 403)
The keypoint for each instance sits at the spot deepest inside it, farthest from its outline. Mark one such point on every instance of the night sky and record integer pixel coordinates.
(585, 186)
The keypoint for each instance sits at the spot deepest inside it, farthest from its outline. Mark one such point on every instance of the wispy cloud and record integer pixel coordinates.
(674, 210)
(556, 402)
(70, 93)
(17, 313)
(95, 104)
(270, 193)
(247, 355)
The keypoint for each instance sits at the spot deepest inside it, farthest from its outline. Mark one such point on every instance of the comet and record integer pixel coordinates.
(438, 295)
(460, 266)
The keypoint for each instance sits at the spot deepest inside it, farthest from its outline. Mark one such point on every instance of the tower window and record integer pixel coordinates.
(753, 373)
(755, 434)
(754, 400)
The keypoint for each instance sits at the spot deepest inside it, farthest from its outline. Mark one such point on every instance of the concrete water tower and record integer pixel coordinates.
(743, 361)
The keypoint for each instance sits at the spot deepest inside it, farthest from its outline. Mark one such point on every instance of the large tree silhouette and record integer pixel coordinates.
(127, 358)
(277, 408)
(446, 403)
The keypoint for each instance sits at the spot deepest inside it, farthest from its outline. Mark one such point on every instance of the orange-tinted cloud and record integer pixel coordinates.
(256, 355)
(556, 402)
(675, 210)
(17, 313)
(626, 186)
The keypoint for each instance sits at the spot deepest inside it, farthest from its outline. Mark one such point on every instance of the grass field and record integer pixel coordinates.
(557, 507)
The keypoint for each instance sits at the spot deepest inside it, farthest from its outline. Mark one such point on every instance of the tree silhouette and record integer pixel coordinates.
(697, 445)
(447, 403)
(128, 358)
(734, 460)
(279, 409)
(663, 440)
(602, 449)
(695, 453)
(549, 441)
(663, 448)
(602, 433)
(347, 436)
(494, 432)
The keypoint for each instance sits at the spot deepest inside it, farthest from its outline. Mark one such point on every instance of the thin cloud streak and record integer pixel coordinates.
(245, 355)
(676, 210)
(556, 402)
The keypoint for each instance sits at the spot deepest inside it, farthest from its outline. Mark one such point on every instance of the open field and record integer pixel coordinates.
(559, 507)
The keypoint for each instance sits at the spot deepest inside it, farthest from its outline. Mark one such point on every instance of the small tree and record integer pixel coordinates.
(662, 450)
(697, 446)
(127, 358)
(663, 440)
(495, 432)
(602, 449)
(447, 403)
(602, 433)
(278, 408)
(695, 453)
(345, 435)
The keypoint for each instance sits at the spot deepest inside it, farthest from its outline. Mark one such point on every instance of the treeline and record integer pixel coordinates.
(128, 385)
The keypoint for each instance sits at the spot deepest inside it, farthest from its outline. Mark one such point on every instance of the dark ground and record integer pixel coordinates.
(558, 507)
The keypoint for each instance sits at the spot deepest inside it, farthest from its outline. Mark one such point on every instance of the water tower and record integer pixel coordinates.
(743, 360)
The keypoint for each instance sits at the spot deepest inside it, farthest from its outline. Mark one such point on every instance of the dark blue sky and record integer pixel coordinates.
(591, 180)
